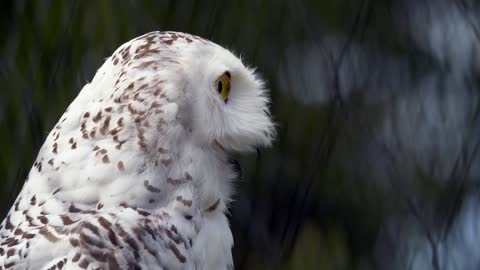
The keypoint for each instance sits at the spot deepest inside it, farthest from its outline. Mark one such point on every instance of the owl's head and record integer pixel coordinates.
(191, 87)
(228, 101)
(160, 106)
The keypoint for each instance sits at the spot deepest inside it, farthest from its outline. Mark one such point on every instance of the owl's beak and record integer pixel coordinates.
(218, 146)
(259, 150)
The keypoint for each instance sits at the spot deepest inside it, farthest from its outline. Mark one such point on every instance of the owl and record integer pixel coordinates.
(136, 173)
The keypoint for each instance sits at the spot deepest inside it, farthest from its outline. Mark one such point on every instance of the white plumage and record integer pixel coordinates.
(135, 174)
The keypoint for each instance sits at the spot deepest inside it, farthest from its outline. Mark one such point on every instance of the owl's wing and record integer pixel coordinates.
(124, 238)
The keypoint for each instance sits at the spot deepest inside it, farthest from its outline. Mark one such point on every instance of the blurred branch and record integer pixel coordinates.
(458, 179)
(323, 151)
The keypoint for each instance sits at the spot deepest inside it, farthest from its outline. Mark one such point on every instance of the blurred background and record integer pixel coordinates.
(376, 164)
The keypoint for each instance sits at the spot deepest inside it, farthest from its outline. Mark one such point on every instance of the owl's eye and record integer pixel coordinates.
(223, 86)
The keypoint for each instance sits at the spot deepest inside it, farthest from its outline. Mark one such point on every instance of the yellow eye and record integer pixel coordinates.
(223, 86)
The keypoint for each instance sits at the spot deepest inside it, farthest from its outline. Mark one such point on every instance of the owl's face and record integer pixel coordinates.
(229, 101)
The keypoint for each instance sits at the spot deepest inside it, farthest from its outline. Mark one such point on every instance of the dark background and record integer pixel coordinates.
(376, 163)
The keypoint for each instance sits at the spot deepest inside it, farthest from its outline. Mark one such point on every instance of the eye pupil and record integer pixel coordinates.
(219, 87)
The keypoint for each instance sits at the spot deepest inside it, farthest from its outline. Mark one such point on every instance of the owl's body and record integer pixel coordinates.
(135, 174)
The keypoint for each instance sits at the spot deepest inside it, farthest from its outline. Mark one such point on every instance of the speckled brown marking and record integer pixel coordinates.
(98, 255)
(30, 221)
(115, 61)
(8, 224)
(177, 252)
(76, 257)
(131, 110)
(119, 145)
(85, 239)
(154, 105)
(92, 133)
(105, 159)
(144, 65)
(97, 117)
(60, 264)
(115, 130)
(28, 236)
(51, 162)
(143, 86)
(48, 234)
(7, 241)
(104, 222)
(56, 191)
(74, 146)
(145, 53)
(174, 236)
(10, 252)
(150, 231)
(74, 242)
(176, 181)
(122, 74)
(56, 138)
(213, 206)
(108, 109)
(185, 202)
(166, 162)
(150, 187)
(106, 123)
(33, 200)
(142, 144)
(143, 212)
(96, 148)
(120, 166)
(128, 239)
(136, 97)
(86, 115)
(18, 231)
(43, 219)
(55, 146)
(99, 206)
(126, 52)
(112, 237)
(73, 209)
(13, 243)
(91, 227)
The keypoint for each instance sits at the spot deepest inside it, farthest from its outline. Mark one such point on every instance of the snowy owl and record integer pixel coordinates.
(136, 175)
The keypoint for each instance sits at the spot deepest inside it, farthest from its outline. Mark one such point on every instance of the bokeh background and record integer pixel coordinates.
(376, 164)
